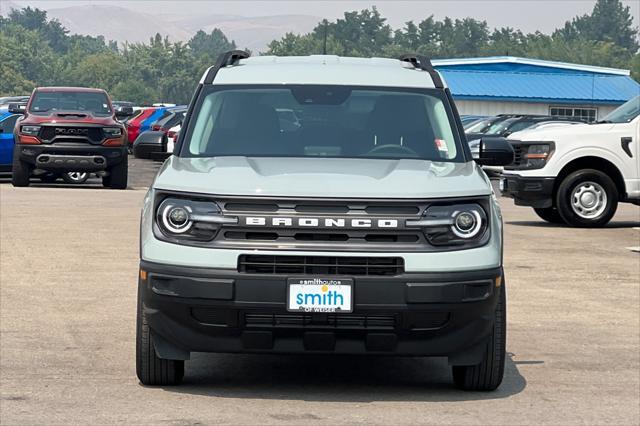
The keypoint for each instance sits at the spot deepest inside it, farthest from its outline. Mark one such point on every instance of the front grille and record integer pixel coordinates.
(518, 152)
(320, 265)
(49, 134)
(336, 238)
(339, 321)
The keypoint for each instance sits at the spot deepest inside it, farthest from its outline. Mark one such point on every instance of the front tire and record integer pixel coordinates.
(587, 198)
(550, 215)
(20, 171)
(118, 174)
(487, 375)
(150, 369)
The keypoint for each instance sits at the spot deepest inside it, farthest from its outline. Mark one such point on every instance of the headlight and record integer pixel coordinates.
(112, 132)
(531, 156)
(184, 219)
(30, 130)
(456, 224)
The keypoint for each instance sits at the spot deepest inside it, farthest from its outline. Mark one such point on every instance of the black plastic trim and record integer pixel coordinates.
(225, 59)
(529, 191)
(625, 142)
(424, 63)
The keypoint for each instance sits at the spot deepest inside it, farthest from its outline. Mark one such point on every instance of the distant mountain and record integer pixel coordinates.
(254, 33)
(123, 24)
(116, 23)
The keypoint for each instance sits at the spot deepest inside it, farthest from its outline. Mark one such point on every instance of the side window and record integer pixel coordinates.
(9, 123)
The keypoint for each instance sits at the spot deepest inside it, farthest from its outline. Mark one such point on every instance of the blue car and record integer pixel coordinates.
(7, 122)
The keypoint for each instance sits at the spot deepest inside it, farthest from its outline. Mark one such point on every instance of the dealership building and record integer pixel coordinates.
(506, 84)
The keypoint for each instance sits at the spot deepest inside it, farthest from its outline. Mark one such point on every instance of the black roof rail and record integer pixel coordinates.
(423, 63)
(224, 60)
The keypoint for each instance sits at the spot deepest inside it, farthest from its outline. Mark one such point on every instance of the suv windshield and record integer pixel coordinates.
(625, 112)
(94, 102)
(322, 121)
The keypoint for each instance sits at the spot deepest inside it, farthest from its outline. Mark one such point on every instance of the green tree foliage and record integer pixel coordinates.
(605, 37)
(35, 51)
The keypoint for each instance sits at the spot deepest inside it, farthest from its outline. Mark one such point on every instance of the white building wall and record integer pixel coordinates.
(495, 107)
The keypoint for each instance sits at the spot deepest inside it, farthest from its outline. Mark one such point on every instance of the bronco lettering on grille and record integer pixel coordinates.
(312, 222)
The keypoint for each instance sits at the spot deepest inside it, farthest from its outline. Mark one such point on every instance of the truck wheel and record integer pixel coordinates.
(20, 173)
(550, 215)
(587, 198)
(117, 178)
(151, 370)
(487, 375)
(75, 177)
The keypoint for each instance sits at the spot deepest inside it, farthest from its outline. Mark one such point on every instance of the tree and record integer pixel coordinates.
(210, 45)
(609, 21)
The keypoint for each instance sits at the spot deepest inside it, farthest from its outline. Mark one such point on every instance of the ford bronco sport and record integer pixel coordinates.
(70, 129)
(323, 205)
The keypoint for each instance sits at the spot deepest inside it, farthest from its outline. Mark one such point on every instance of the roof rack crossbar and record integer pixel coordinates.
(224, 60)
(423, 63)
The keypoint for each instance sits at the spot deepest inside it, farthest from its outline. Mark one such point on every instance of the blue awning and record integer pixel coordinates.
(526, 80)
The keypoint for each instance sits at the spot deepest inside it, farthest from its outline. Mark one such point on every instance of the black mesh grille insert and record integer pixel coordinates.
(320, 265)
(341, 321)
(71, 134)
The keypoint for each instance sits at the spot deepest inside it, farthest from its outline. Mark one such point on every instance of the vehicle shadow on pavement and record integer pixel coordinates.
(334, 378)
(542, 224)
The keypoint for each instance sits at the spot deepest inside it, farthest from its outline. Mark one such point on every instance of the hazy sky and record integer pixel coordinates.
(527, 15)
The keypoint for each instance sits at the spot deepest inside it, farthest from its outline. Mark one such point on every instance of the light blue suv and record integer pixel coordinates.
(323, 205)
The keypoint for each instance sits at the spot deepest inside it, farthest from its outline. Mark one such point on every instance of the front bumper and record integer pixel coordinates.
(528, 191)
(220, 310)
(77, 157)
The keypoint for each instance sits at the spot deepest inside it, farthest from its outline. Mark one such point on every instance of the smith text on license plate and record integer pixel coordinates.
(320, 295)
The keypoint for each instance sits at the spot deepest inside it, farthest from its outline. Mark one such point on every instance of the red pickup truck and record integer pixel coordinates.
(68, 129)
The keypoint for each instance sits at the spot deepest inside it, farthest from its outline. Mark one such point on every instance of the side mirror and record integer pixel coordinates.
(151, 145)
(495, 151)
(17, 108)
(124, 112)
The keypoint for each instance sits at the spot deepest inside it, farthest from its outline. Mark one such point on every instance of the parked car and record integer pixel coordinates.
(124, 109)
(172, 117)
(368, 229)
(138, 124)
(515, 124)
(5, 101)
(7, 123)
(469, 119)
(482, 125)
(172, 136)
(70, 129)
(578, 174)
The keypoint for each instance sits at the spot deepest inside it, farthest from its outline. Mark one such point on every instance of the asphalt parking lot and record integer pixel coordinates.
(69, 258)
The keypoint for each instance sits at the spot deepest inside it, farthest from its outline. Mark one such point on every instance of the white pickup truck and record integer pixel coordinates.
(578, 174)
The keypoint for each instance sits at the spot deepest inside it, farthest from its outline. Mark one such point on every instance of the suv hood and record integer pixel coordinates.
(320, 177)
(69, 117)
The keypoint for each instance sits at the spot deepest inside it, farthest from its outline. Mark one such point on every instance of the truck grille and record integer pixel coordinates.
(71, 134)
(518, 153)
(320, 265)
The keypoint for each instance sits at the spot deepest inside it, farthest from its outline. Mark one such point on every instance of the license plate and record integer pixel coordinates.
(320, 295)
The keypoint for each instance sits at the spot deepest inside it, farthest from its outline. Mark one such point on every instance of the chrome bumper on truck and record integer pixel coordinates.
(192, 309)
